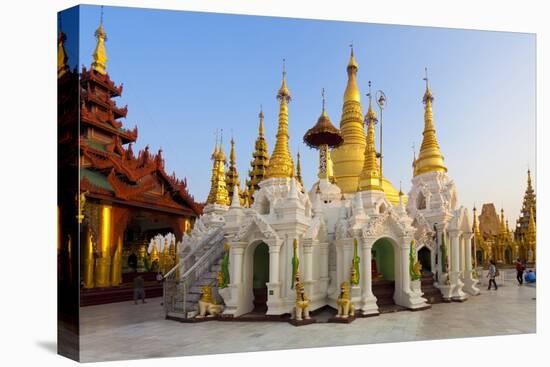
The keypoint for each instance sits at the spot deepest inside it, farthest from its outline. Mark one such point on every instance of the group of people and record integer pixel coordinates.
(521, 276)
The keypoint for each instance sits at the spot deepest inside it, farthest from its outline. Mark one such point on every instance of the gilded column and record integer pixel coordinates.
(116, 264)
(88, 261)
(103, 262)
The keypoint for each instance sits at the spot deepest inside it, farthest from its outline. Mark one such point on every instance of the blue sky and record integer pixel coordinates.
(187, 74)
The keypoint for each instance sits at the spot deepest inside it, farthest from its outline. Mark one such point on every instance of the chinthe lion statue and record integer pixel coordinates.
(345, 306)
(301, 308)
(207, 305)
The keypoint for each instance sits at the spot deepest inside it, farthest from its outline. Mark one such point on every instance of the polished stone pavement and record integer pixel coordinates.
(127, 331)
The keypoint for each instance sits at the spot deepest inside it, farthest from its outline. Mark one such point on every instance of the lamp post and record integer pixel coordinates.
(381, 101)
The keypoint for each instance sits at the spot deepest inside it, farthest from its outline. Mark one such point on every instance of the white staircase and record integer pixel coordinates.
(198, 268)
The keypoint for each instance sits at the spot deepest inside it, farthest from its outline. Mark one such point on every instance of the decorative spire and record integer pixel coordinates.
(430, 158)
(259, 162)
(100, 54)
(531, 234)
(232, 176)
(218, 190)
(280, 163)
(62, 59)
(370, 175)
(529, 205)
(299, 170)
(502, 224)
(349, 157)
(475, 226)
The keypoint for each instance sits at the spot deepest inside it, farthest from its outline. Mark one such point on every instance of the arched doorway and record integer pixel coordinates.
(479, 257)
(260, 277)
(425, 259)
(508, 255)
(383, 269)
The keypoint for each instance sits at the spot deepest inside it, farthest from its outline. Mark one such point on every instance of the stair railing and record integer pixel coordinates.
(176, 290)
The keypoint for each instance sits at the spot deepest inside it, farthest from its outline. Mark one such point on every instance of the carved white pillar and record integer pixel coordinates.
(323, 259)
(308, 262)
(274, 251)
(369, 306)
(468, 251)
(237, 260)
(455, 259)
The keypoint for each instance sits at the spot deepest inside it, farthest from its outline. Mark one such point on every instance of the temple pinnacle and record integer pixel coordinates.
(99, 56)
(280, 163)
(430, 158)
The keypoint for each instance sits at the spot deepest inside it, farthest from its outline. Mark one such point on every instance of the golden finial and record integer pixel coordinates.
(284, 92)
(323, 97)
(100, 54)
(352, 64)
(430, 158)
(400, 191)
(299, 170)
(280, 163)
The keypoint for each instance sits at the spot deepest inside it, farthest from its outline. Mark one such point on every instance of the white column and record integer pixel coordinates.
(274, 251)
(323, 259)
(468, 252)
(366, 271)
(237, 257)
(369, 306)
(455, 260)
(308, 262)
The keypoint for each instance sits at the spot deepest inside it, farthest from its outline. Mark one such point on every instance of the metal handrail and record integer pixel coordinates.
(180, 287)
(193, 251)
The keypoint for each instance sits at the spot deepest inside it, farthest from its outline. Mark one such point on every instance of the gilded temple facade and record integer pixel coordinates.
(124, 198)
(351, 230)
(495, 240)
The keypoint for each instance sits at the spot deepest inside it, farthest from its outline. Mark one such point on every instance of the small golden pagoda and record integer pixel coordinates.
(218, 190)
(259, 162)
(370, 175)
(430, 158)
(232, 175)
(280, 163)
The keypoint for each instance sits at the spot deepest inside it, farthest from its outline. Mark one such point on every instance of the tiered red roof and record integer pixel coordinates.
(111, 171)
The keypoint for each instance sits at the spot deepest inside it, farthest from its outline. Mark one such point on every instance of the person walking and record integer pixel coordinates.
(139, 289)
(492, 274)
(519, 271)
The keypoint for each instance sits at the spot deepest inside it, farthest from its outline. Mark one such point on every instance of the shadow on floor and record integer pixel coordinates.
(48, 345)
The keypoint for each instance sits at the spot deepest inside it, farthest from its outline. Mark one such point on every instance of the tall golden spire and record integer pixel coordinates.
(280, 163)
(62, 58)
(502, 224)
(259, 162)
(299, 171)
(232, 175)
(349, 157)
(475, 226)
(370, 175)
(218, 190)
(430, 158)
(531, 233)
(100, 54)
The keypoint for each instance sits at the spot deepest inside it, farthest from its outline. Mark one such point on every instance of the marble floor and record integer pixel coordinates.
(127, 331)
